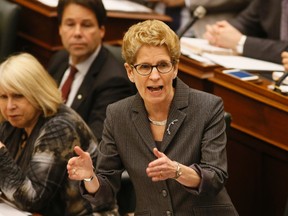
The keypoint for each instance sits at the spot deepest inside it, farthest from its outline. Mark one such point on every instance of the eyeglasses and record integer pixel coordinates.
(146, 69)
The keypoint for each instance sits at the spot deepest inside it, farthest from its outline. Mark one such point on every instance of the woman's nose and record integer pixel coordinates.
(11, 104)
(154, 73)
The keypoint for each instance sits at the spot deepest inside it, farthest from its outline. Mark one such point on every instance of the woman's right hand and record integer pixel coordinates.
(81, 166)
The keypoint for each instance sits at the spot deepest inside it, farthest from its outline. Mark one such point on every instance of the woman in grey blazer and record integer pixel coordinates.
(170, 138)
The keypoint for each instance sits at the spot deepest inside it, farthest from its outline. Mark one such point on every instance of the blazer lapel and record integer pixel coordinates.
(139, 118)
(176, 114)
(174, 122)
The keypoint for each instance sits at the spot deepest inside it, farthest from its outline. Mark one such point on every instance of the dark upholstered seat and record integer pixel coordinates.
(9, 17)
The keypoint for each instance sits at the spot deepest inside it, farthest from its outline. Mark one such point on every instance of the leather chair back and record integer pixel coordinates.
(116, 51)
(9, 17)
(286, 209)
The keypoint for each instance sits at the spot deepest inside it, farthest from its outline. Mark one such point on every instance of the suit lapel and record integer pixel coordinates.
(89, 79)
(83, 91)
(61, 70)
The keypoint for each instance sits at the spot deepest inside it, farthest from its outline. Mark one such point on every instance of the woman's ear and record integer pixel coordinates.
(175, 70)
(131, 79)
(129, 71)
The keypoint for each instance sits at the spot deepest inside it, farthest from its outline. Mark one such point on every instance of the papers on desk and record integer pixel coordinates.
(283, 88)
(200, 46)
(277, 75)
(7, 210)
(200, 50)
(111, 5)
(187, 52)
(50, 3)
(125, 6)
(243, 63)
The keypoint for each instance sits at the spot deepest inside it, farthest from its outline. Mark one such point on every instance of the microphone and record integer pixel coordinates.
(198, 13)
(279, 82)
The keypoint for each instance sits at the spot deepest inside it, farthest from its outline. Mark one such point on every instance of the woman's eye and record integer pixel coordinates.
(3, 96)
(145, 66)
(18, 96)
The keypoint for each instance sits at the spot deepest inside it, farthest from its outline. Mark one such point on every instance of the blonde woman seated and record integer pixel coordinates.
(37, 137)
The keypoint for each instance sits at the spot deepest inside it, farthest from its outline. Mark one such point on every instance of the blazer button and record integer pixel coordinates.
(169, 213)
(79, 96)
(164, 193)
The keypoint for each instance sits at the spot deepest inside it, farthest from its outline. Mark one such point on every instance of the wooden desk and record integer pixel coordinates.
(257, 145)
(38, 27)
(195, 74)
(267, 116)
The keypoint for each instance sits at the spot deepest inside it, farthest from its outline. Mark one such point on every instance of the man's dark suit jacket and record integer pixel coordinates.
(260, 21)
(105, 82)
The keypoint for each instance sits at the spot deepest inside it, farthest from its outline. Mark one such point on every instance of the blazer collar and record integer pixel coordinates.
(175, 119)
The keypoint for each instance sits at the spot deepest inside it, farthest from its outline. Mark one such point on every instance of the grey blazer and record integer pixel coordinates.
(195, 136)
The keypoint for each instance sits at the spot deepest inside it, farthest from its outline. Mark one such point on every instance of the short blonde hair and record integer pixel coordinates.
(23, 73)
(153, 33)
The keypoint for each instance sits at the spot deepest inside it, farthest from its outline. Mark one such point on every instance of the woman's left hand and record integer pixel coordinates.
(162, 168)
(1, 145)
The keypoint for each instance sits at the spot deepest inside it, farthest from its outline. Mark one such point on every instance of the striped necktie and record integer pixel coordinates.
(67, 85)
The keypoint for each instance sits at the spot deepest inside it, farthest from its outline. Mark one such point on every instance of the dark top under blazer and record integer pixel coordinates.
(260, 21)
(105, 82)
(196, 138)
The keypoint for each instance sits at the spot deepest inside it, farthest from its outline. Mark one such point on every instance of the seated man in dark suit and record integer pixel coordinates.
(100, 79)
(256, 32)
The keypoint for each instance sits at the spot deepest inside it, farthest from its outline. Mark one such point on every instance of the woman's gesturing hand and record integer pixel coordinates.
(81, 166)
